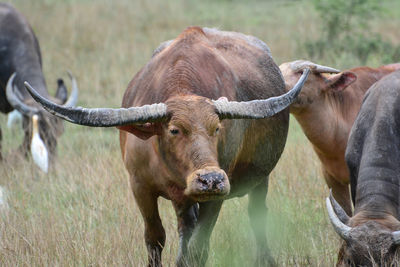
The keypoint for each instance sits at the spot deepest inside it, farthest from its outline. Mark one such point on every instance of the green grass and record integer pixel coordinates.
(83, 213)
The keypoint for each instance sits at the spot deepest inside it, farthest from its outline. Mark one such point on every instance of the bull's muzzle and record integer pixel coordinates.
(207, 184)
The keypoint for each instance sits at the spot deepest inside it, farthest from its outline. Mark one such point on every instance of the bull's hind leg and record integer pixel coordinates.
(258, 219)
(200, 241)
(154, 233)
(187, 217)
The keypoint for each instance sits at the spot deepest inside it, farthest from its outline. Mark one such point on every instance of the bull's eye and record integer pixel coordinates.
(174, 131)
(217, 130)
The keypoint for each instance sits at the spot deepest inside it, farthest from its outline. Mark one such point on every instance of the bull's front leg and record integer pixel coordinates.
(200, 241)
(154, 233)
(24, 148)
(187, 218)
(258, 219)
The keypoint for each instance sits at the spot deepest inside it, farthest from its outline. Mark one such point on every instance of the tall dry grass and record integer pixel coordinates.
(83, 213)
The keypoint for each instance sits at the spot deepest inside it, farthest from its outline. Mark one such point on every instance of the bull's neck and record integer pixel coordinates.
(323, 128)
(377, 173)
(377, 193)
(28, 68)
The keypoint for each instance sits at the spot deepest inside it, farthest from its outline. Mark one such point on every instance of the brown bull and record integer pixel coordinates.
(326, 109)
(182, 149)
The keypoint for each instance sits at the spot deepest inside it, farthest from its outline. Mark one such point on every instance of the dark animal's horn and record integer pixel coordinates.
(15, 101)
(338, 209)
(259, 109)
(73, 97)
(102, 117)
(341, 229)
(300, 65)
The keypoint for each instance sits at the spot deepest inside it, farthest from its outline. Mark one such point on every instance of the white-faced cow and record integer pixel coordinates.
(372, 237)
(20, 60)
(326, 109)
(181, 137)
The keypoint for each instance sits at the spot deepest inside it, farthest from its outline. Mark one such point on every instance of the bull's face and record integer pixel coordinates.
(366, 242)
(321, 81)
(370, 244)
(188, 144)
(41, 128)
(188, 127)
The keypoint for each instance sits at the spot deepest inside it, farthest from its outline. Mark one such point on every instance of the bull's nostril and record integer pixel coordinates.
(204, 182)
(211, 181)
(219, 178)
(220, 186)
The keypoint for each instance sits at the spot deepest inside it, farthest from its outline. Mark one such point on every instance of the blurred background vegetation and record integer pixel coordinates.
(83, 212)
(347, 27)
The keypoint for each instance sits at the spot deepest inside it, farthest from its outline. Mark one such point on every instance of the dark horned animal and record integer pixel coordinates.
(181, 138)
(20, 60)
(372, 236)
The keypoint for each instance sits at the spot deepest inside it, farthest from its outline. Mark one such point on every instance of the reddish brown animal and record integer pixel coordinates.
(326, 109)
(184, 150)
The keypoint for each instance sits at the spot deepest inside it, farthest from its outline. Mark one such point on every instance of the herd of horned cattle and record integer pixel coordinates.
(199, 159)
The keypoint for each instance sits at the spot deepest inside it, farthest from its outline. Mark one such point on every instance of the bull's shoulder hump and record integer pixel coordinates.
(250, 40)
(7, 10)
(215, 33)
(161, 47)
(390, 84)
(11, 20)
(6, 7)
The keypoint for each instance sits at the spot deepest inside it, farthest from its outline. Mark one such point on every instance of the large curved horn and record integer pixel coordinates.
(15, 101)
(340, 228)
(259, 109)
(102, 117)
(300, 65)
(342, 215)
(73, 97)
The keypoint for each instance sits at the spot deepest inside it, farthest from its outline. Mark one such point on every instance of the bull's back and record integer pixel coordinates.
(209, 63)
(373, 150)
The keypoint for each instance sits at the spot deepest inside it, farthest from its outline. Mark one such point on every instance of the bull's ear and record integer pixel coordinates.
(143, 131)
(61, 93)
(340, 81)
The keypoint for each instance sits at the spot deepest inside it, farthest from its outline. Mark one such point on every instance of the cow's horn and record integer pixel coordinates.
(15, 101)
(259, 109)
(338, 209)
(300, 65)
(340, 228)
(102, 117)
(73, 97)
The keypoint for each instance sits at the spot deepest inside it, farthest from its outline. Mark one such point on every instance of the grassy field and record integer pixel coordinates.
(83, 212)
